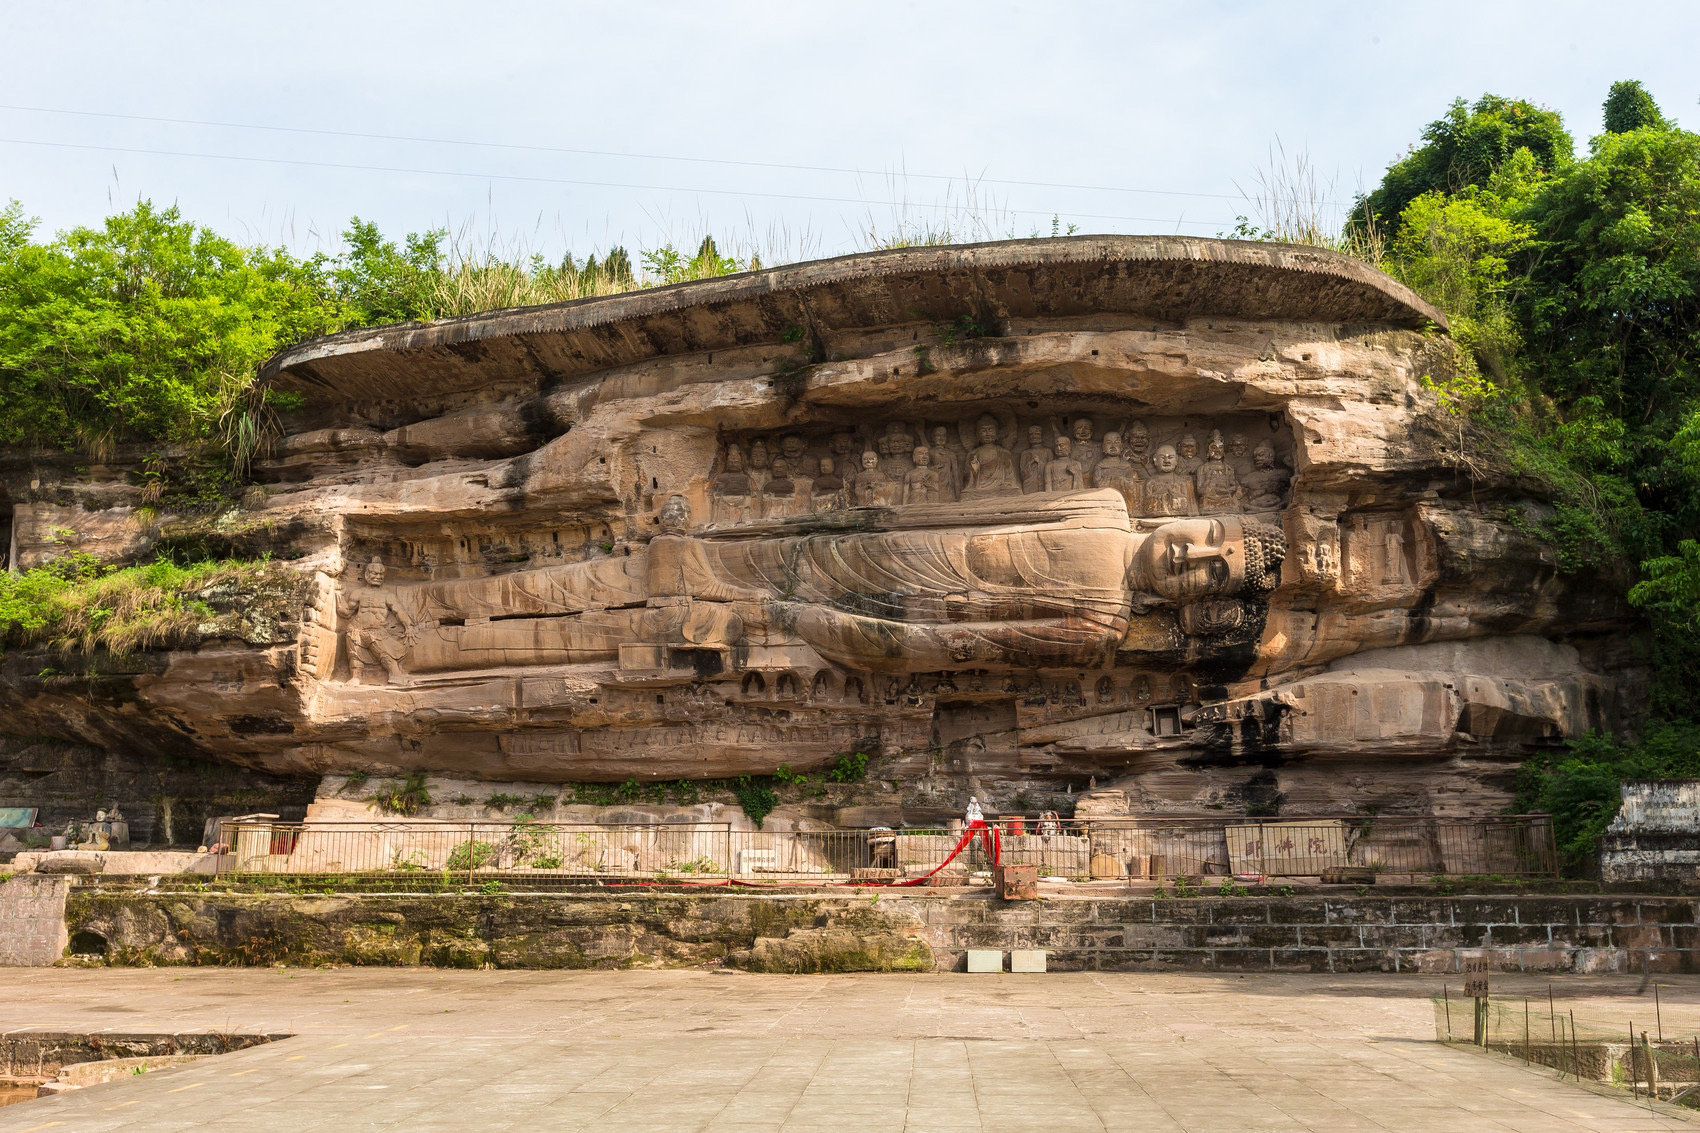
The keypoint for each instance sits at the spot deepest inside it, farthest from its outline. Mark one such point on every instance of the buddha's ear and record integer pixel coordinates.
(1143, 603)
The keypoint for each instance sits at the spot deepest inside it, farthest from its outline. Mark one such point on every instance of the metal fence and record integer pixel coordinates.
(421, 853)
(1636, 1054)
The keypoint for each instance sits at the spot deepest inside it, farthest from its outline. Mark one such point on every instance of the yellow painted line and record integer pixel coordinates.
(121, 1105)
(239, 1073)
(338, 1046)
(190, 1086)
(403, 1027)
(295, 1058)
(49, 1125)
(374, 1034)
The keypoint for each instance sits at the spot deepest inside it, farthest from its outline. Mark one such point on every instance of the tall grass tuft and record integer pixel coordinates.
(1293, 206)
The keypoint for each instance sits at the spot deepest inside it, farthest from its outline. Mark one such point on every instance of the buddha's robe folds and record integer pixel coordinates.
(1034, 581)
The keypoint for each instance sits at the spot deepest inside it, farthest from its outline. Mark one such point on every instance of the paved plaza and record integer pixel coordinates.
(680, 1050)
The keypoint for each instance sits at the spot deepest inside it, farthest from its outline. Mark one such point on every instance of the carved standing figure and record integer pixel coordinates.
(949, 460)
(991, 466)
(1034, 457)
(1169, 492)
(1186, 456)
(827, 492)
(366, 619)
(873, 487)
(780, 497)
(1266, 487)
(1116, 471)
(921, 483)
(1085, 450)
(1063, 473)
(731, 490)
(761, 466)
(1218, 487)
(1137, 439)
(895, 445)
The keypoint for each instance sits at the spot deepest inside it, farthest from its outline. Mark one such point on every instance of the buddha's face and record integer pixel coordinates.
(734, 460)
(941, 437)
(826, 466)
(1062, 447)
(842, 443)
(1189, 446)
(1264, 456)
(1236, 445)
(921, 457)
(1215, 450)
(1138, 438)
(372, 574)
(1112, 444)
(870, 460)
(781, 467)
(675, 513)
(1164, 458)
(793, 448)
(758, 455)
(1185, 560)
(1083, 429)
(987, 430)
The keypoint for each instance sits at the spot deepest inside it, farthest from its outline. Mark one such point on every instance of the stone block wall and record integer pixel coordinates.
(806, 932)
(1595, 933)
(32, 920)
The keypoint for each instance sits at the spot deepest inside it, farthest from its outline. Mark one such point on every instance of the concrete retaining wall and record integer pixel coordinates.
(32, 920)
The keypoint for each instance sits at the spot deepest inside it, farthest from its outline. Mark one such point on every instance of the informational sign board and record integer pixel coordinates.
(1476, 977)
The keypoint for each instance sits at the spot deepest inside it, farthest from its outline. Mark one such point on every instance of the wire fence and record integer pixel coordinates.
(427, 853)
(1636, 1056)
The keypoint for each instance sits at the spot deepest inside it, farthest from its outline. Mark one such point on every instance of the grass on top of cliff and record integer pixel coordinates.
(77, 602)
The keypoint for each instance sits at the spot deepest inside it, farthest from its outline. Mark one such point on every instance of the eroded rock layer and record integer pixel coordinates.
(1177, 520)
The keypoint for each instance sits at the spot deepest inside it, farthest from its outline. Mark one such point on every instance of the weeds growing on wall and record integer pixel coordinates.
(76, 602)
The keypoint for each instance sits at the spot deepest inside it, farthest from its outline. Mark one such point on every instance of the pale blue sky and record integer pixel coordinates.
(1187, 99)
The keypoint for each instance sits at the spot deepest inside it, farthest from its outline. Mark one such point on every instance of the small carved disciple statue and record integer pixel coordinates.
(1085, 450)
(1218, 487)
(1137, 439)
(1169, 492)
(780, 497)
(1063, 473)
(793, 447)
(1237, 449)
(761, 466)
(991, 466)
(1116, 471)
(921, 483)
(1034, 457)
(873, 487)
(827, 492)
(731, 490)
(367, 631)
(948, 459)
(1187, 457)
(1266, 486)
(894, 449)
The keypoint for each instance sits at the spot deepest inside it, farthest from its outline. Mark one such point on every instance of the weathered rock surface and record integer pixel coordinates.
(1179, 516)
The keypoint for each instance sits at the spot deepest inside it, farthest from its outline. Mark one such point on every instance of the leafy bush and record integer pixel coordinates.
(76, 602)
(402, 797)
(756, 797)
(851, 767)
(471, 855)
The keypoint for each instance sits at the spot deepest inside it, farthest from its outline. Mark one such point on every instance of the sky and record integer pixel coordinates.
(791, 129)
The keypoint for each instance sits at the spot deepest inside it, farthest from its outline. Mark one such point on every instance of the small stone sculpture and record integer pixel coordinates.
(367, 631)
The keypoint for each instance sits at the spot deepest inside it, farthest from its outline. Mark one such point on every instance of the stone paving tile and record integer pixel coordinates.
(426, 1050)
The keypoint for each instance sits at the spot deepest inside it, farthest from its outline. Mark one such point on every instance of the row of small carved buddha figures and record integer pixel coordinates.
(1157, 477)
(1073, 692)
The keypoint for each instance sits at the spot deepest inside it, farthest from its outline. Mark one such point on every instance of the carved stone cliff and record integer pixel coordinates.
(1176, 519)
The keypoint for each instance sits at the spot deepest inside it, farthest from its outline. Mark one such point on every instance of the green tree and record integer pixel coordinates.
(145, 327)
(1467, 147)
(1630, 107)
(383, 283)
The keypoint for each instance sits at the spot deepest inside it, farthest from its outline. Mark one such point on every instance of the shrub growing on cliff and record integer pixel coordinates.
(77, 603)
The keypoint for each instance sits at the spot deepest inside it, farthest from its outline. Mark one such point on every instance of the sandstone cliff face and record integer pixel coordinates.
(1178, 517)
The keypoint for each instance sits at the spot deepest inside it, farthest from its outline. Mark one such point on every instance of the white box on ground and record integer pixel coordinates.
(985, 960)
(1027, 960)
